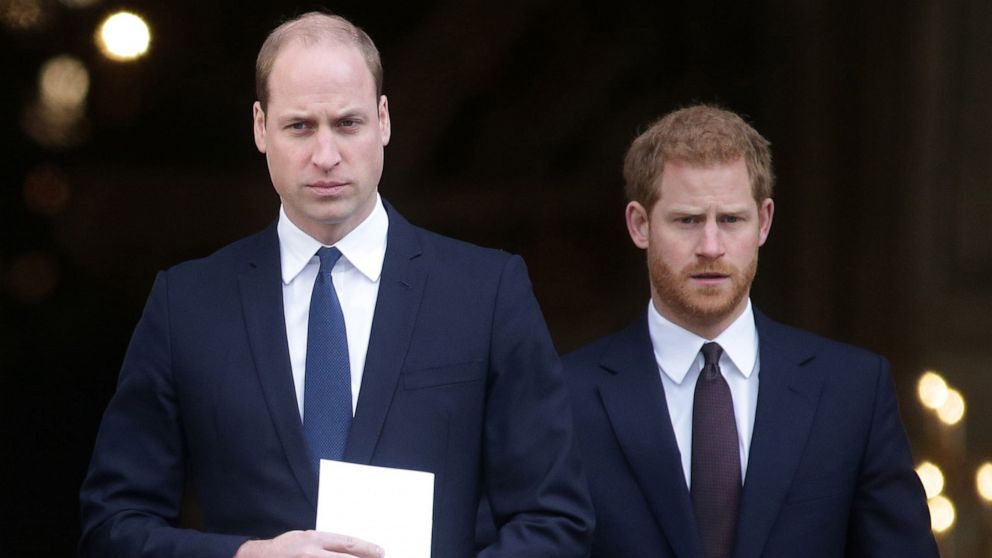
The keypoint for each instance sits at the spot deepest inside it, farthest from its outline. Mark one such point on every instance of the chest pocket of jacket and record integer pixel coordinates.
(443, 375)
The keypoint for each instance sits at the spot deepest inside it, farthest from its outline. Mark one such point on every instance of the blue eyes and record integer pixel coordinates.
(725, 219)
(349, 125)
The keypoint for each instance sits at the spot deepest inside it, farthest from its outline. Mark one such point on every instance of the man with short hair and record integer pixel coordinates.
(340, 332)
(709, 430)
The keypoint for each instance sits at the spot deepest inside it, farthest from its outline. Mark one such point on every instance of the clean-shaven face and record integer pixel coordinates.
(323, 135)
(702, 238)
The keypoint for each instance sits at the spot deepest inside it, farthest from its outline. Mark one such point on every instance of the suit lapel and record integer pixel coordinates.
(262, 303)
(634, 399)
(400, 289)
(788, 395)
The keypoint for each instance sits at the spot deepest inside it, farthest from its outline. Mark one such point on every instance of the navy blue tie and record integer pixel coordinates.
(716, 461)
(327, 383)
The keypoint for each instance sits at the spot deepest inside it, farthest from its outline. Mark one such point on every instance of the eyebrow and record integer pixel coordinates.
(696, 210)
(294, 114)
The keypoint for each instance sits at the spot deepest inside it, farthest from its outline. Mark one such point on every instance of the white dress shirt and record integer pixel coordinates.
(676, 351)
(356, 281)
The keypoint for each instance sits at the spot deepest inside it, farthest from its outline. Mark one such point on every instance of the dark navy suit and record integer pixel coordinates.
(461, 380)
(829, 472)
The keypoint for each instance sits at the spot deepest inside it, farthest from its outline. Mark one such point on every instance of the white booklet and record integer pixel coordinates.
(392, 508)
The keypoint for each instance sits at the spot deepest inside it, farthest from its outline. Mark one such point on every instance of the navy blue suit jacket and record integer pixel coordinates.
(461, 380)
(829, 472)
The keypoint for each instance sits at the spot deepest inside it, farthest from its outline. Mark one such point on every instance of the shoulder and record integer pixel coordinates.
(444, 247)
(628, 347)
(783, 337)
(591, 353)
(838, 363)
(260, 249)
(461, 253)
(445, 254)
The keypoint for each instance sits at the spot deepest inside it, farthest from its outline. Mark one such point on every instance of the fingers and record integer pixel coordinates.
(307, 544)
(347, 546)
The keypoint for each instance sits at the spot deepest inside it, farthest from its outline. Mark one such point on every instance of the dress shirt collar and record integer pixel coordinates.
(676, 349)
(364, 247)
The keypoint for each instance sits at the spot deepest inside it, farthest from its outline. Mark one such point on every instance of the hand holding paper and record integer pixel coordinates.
(306, 543)
(392, 508)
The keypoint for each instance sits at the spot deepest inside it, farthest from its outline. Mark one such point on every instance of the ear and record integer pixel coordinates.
(258, 124)
(765, 213)
(385, 128)
(638, 224)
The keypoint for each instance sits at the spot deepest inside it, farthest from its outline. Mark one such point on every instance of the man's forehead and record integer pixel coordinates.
(319, 69)
(701, 163)
(297, 46)
(704, 173)
(724, 185)
(707, 206)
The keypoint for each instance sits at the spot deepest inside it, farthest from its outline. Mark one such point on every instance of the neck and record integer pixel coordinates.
(708, 327)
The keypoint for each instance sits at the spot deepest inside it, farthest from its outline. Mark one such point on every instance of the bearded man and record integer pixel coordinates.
(706, 428)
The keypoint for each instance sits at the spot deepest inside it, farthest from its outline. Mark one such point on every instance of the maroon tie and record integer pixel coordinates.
(716, 462)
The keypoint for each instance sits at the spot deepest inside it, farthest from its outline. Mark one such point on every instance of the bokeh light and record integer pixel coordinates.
(123, 36)
(32, 276)
(46, 189)
(932, 389)
(942, 514)
(54, 127)
(22, 14)
(79, 3)
(63, 83)
(57, 118)
(952, 411)
(983, 481)
(931, 477)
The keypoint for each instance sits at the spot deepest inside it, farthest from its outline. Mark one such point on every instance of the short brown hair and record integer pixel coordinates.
(313, 27)
(701, 134)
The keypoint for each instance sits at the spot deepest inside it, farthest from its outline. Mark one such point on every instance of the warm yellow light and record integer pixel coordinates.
(952, 411)
(124, 36)
(941, 514)
(932, 390)
(983, 481)
(63, 82)
(931, 477)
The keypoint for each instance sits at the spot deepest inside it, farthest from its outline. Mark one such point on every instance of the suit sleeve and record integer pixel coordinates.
(132, 495)
(533, 477)
(889, 516)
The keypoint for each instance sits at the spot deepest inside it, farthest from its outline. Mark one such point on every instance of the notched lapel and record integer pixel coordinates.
(634, 399)
(788, 396)
(265, 321)
(401, 287)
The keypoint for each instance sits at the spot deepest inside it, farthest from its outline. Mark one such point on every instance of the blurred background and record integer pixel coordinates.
(127, 147)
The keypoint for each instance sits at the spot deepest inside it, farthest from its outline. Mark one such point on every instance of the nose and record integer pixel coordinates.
(711, 242)
(325, 150)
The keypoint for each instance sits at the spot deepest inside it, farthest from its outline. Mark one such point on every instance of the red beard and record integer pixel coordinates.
(700, 304)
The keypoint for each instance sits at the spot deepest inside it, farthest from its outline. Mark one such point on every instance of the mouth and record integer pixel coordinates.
(328, 187)
(710, 278)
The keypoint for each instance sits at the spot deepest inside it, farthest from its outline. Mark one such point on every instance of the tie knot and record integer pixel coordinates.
(329, 256)
(711, 354)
